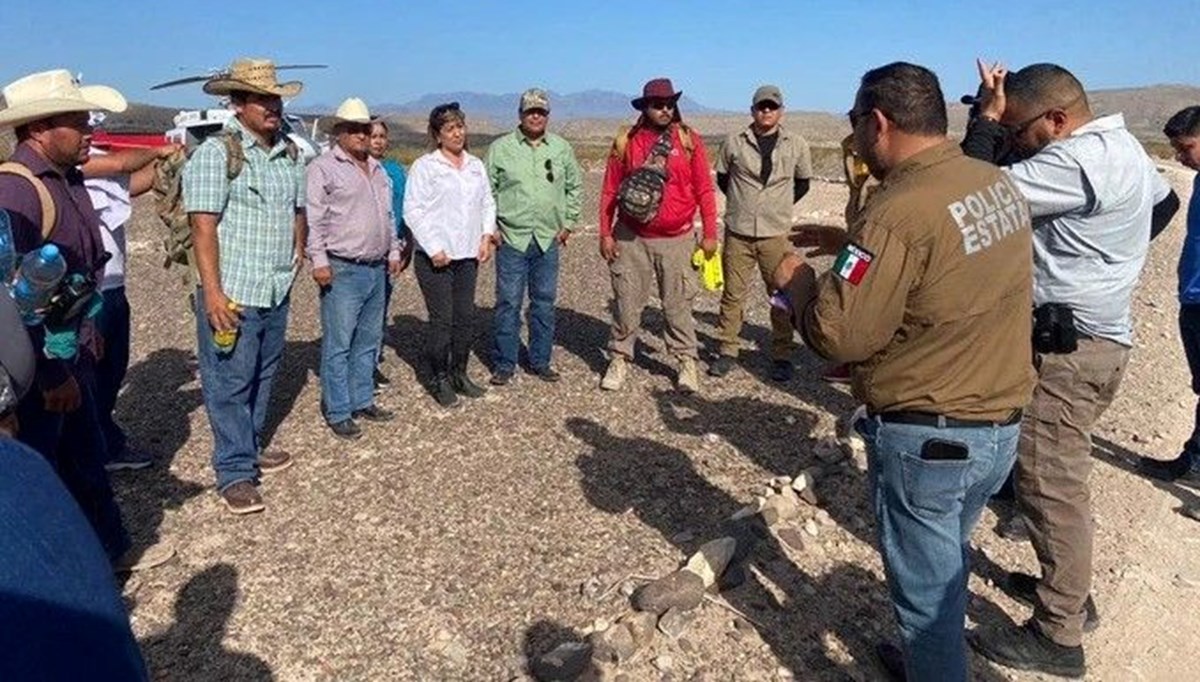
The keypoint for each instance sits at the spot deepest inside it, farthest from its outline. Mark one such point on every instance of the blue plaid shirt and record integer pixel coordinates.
(255, 230)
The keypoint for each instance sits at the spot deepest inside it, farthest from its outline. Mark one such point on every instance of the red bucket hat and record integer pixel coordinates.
(659, 88)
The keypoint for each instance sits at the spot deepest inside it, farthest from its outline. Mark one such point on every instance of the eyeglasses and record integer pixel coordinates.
(1019, 129)
(766, 106)
(662, 105)
(549, 172)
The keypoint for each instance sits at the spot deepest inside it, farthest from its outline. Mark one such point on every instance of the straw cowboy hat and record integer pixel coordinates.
(251, 75)
(48, 93)
(353, 110)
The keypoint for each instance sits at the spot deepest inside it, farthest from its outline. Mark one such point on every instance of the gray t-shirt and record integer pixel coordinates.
(1092, 196)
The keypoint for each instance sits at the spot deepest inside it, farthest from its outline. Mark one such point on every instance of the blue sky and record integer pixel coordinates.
(717, 52)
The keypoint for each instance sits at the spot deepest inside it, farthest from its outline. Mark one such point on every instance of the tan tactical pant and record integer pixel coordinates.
(1054, 459)
(640, 262)
(741, 257)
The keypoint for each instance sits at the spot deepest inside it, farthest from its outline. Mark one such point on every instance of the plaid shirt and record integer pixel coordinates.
(255, 231)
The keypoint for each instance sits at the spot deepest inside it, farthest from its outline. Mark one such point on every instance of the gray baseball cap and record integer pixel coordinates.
(767, 93)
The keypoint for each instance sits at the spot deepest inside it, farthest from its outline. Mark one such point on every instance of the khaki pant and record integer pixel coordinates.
(640, 262)
(1054, 459)
(739, 260)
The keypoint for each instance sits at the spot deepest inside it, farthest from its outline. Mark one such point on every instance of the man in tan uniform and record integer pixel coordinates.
(763, 170)
(929, 304)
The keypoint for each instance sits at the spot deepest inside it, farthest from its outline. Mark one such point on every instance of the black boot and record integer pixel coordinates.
(1023, 588)
(443, 391)
(1026, 648)
(461, 382)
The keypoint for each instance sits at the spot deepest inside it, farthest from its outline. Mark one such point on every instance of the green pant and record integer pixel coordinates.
(741, 256)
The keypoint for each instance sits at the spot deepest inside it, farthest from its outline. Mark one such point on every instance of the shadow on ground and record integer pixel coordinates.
(192, 649)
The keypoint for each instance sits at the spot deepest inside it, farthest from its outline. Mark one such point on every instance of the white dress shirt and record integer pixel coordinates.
(449, 209)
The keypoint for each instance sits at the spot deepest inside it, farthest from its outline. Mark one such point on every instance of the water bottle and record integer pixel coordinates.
(8, 252)
(37, 280)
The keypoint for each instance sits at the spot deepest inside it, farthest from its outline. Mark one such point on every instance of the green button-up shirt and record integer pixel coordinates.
(255, 231)
(538, 188)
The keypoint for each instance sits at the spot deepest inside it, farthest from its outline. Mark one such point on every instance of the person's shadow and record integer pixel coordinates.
(586, 337)
(1124, 459)
(192, 649)
(663, 489)
(300, 358)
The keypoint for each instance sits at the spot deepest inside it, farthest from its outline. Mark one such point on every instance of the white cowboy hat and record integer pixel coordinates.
(251, 75)
(353, 110)
(48, 93)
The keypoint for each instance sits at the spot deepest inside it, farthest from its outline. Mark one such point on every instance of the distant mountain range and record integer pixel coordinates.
(501, 108)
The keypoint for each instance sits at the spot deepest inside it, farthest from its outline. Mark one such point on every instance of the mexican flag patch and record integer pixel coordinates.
(852, 263)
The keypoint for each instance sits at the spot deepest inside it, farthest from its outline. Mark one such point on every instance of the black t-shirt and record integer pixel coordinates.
(766, 145)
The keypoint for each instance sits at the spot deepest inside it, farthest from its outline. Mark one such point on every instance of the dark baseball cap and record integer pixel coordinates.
(767, 93)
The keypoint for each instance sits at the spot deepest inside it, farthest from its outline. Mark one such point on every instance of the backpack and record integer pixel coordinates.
(168, 186)
(641, 191)
(49, 210)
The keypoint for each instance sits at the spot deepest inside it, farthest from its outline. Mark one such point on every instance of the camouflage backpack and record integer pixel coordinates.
(168, 186)
(641, 191)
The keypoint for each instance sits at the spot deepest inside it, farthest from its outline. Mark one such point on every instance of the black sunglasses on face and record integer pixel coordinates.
(549, 171)
(664, 106)
(766, 106)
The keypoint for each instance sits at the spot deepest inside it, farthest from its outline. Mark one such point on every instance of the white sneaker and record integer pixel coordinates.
(614, 376)
(688, 380)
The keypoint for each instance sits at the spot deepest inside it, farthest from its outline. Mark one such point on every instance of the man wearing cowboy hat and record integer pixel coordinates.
(353, 245)
(49, 112)
(646, 229)
(249, 234)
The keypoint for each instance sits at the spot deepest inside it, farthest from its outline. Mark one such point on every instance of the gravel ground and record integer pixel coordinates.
(457, 545)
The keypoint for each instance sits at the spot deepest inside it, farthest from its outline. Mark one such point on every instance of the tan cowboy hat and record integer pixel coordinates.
(353, 110)
(47, 93)
(251, 75)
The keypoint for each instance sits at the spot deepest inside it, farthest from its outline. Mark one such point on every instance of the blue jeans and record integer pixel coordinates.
(925, 511)
(237, 387)
(537, 270)
(351, 333)
(73, 443)
(61, 616)
(111, 369)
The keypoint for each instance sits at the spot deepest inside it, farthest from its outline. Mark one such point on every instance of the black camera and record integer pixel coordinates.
(1054, 329)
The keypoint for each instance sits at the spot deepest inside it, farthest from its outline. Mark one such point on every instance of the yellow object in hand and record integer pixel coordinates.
(225, 340)
(712, 277)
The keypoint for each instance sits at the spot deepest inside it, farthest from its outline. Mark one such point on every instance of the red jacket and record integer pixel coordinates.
(689, 185)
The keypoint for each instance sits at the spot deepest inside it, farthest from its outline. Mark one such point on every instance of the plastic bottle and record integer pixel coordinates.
(37, 280)
(8, 251)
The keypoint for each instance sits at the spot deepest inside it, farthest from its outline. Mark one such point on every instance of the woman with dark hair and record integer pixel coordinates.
(378, 147)
(449, 210)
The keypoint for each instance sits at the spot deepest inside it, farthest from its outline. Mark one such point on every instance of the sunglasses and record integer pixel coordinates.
(535, 112)
(661, 106)
(1019, 129)
(766, 106)
(549, 171)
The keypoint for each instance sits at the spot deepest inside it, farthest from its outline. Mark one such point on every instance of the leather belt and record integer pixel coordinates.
(943, 422)
(358, 261)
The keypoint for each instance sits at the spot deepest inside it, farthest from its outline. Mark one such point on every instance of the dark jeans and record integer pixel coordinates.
(449, 294)
(536, 270)
(110, 370)
(237, 387)
(73, 443)
(61, 617)
(387, 305)
(1189, 332)
(351, 332)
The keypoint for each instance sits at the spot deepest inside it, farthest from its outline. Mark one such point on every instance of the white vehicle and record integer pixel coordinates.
(191, 127)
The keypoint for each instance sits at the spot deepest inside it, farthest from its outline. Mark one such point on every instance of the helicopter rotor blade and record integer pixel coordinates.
(302, 66)
(183, 81)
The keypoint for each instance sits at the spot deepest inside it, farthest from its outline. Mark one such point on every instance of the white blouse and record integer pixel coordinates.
(449, 209)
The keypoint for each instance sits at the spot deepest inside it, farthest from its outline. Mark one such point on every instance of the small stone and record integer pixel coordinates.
(664, 662)
(628, 588)
(682, 589)
(823, 518)
(784, 674)
(745, 512)
(792, 537)
(614, 645)
(567, 661)
(685, 645)
(779, 509)
(683, 536)
(456, 652)
(712, 438)
(641, 626)
(809, 495)
(443, 635)
(591, 588)
(804, 480)
(810, 527)
(789, 420)
(599, 625)
(781, 481)
(710, 560)
(742, 625)
(674, 622)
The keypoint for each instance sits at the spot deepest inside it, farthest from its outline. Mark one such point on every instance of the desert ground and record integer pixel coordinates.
(464, 544)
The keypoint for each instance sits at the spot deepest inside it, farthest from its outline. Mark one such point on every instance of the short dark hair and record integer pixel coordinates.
(1185, 123)
(1044, 85)
(908, 95)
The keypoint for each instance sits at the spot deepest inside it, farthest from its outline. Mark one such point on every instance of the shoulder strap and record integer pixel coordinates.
(235, 157)
(49, 211)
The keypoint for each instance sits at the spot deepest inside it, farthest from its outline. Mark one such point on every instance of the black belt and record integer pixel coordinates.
(359, 261)
(941, 421)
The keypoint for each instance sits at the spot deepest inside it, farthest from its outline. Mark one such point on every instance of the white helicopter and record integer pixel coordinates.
(193, 125)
